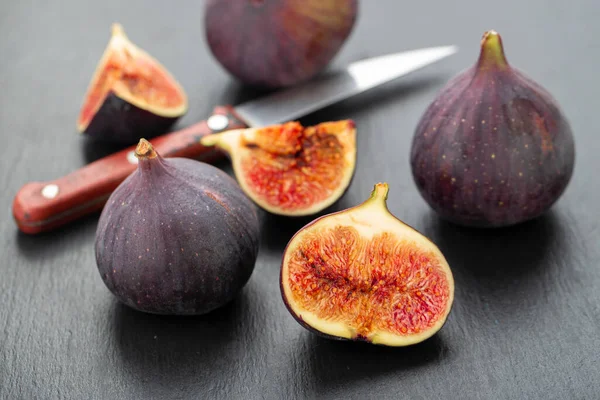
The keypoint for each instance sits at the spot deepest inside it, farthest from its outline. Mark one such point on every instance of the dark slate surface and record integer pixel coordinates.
(526, 320)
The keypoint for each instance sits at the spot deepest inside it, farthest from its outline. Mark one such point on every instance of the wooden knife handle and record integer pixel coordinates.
(43, 206)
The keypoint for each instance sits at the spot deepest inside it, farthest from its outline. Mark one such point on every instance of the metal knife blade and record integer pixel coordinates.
(43, 206)
(357, 77)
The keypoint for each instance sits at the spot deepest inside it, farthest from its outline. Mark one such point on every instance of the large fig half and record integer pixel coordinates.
(362, 274)
(276, 43)
(130, 95)
(289, 169)
(176, 237)
(494, 148)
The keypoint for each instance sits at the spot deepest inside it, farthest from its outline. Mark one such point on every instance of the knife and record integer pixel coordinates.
(44, 206)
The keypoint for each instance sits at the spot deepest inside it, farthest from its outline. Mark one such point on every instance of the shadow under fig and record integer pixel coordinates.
(236, 93)
(498, 258)
(170, 349)
(341, 363)
(277, 230)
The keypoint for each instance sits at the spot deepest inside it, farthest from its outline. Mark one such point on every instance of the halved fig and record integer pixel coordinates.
(362, 274)
(289, 169)
(131, 95)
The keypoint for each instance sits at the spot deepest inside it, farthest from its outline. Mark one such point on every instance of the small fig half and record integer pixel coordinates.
(362, 274)
(131, 95)
(493, 148)
(289, 169)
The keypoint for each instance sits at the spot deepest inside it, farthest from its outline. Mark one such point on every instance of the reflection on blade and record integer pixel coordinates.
(300, 100)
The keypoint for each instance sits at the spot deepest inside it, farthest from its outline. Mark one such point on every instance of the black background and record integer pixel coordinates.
(526, 318)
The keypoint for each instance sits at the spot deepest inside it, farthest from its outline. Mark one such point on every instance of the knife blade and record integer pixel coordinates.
(358, 77)
(43, 206)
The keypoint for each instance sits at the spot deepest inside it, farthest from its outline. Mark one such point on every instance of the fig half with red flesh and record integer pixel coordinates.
(289, 169)
(131, 95)
(362, 274)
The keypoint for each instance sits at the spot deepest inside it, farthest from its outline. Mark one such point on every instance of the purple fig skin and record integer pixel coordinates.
(494, 148)
(177, 237)
(120, 122)
(277, 43)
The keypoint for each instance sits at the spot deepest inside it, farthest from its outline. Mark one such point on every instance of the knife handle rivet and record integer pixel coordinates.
(50, 191)
(131, 157)
(217, 122)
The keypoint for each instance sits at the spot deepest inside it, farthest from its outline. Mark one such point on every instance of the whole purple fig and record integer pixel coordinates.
(494, 148)
(178, 236)
(277, 43)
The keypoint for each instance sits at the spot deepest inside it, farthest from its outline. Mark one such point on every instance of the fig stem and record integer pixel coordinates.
(210, 140)
(223, 140)
(116, 29)
(492, 51)
(379, 194)
(144, 150)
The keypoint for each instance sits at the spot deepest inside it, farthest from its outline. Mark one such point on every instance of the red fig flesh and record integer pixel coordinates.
(176, 237)
(362, 274)
(494, 148)
(130, 95)
(276, 43)
(289, 169)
